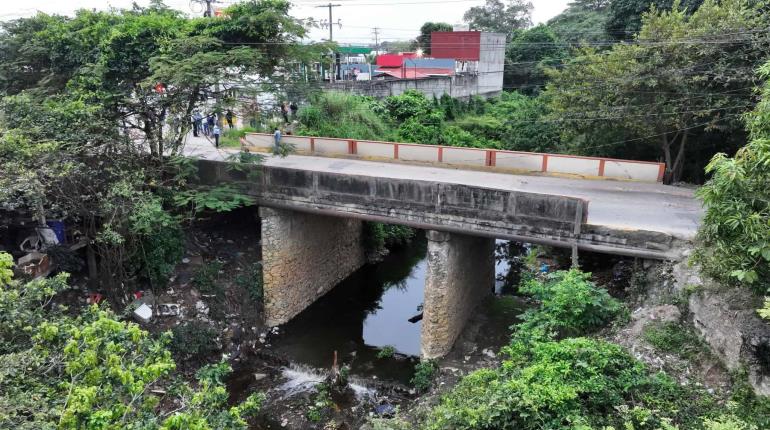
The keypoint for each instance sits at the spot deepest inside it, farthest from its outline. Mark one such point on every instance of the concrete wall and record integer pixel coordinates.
(303, 257)
(458, 86)
(491, 63)
(461, 273)
(472, 157)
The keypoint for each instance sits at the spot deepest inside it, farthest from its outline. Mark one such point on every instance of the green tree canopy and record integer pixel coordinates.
(499, 17)
(684, 75)
(526, 56)
(424, 40)
(626, 16)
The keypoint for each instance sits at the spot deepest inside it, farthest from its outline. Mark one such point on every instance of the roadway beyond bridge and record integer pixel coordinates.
(312, 210)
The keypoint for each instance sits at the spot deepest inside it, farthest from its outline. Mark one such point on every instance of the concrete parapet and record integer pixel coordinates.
(303, 257)
(461, 273)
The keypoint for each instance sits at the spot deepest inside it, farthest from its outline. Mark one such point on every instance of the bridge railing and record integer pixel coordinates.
(514, 161)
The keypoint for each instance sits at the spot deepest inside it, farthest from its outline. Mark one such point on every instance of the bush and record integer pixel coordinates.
(336, 114)
(206, 277)
(424, 373)
(252, 282)
(193, 340)
(572, 383)
(386, 351)
(569, 305)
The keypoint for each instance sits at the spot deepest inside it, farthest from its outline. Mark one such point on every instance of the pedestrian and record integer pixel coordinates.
(210, 122)
(277, 138)
(285, 112)
(216, 131)
(229, 118)
(197, 122)
(205, 128)
(294, 109)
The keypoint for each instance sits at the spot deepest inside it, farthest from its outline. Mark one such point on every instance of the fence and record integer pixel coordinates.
(470, 157)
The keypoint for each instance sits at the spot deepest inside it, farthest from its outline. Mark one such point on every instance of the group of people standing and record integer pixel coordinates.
(209, 125)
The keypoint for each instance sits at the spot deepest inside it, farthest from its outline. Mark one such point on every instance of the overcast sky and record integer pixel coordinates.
(397, 19)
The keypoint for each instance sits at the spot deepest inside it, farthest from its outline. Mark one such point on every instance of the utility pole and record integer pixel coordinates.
(331, 39)
(330, 6)
(376, 32)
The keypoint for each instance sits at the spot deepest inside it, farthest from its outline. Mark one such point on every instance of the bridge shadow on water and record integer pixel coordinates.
(367, 311)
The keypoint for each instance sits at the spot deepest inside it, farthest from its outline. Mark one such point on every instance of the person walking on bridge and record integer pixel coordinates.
(216, 131)
(277, 137)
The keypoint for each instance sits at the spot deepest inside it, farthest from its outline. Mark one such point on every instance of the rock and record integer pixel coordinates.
(260, 376)
(489, 353)
(201, 307)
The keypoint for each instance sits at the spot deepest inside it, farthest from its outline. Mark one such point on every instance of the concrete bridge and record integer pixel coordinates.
(312, 209)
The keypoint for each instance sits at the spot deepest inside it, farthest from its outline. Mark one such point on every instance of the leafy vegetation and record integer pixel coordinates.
(579, 382)
(424, 374)
(676, 339)
(569, 304)
(386, 351)
(193, 340)
(91, 370)
(735, 233)
(252, 282)
(321, 403)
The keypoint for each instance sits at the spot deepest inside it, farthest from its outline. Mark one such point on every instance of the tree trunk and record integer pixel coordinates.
(666, 146)
(679, 162)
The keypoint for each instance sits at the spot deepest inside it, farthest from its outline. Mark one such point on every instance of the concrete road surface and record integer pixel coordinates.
(614, 204)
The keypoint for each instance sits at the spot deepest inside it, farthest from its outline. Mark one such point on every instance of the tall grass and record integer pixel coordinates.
(335, 114)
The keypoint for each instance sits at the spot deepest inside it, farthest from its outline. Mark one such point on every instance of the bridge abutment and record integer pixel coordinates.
(303, 257)
(461, 273)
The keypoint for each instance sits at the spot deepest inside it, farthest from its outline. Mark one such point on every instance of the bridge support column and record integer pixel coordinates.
(461, 273)
(303, 257)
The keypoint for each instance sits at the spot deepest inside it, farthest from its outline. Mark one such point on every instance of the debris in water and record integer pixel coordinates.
(415, 318)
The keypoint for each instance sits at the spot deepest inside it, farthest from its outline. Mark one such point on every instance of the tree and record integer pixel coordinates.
(625, 16)
(87, 98)
(683, 76)
(583, 21)
(496, 16)
(735, 234)
(424, 39)
(526, 56)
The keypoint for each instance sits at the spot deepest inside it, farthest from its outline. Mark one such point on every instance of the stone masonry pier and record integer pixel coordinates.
(461, 273)
(303, 257)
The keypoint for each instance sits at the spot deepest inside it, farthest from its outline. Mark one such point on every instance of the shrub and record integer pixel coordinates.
(570, 305)
(252, 282)
(386, 351)
(572, 383)
(378, 236)
(193, 339)
(424, 373)
(321, 403)
(206, 277)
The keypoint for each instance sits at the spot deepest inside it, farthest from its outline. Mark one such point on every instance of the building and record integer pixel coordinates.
(463, 64)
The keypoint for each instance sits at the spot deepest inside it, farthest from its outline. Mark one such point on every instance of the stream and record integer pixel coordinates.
(368, 311)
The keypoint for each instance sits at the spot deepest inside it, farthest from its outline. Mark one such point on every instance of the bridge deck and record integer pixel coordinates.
(619, 205)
